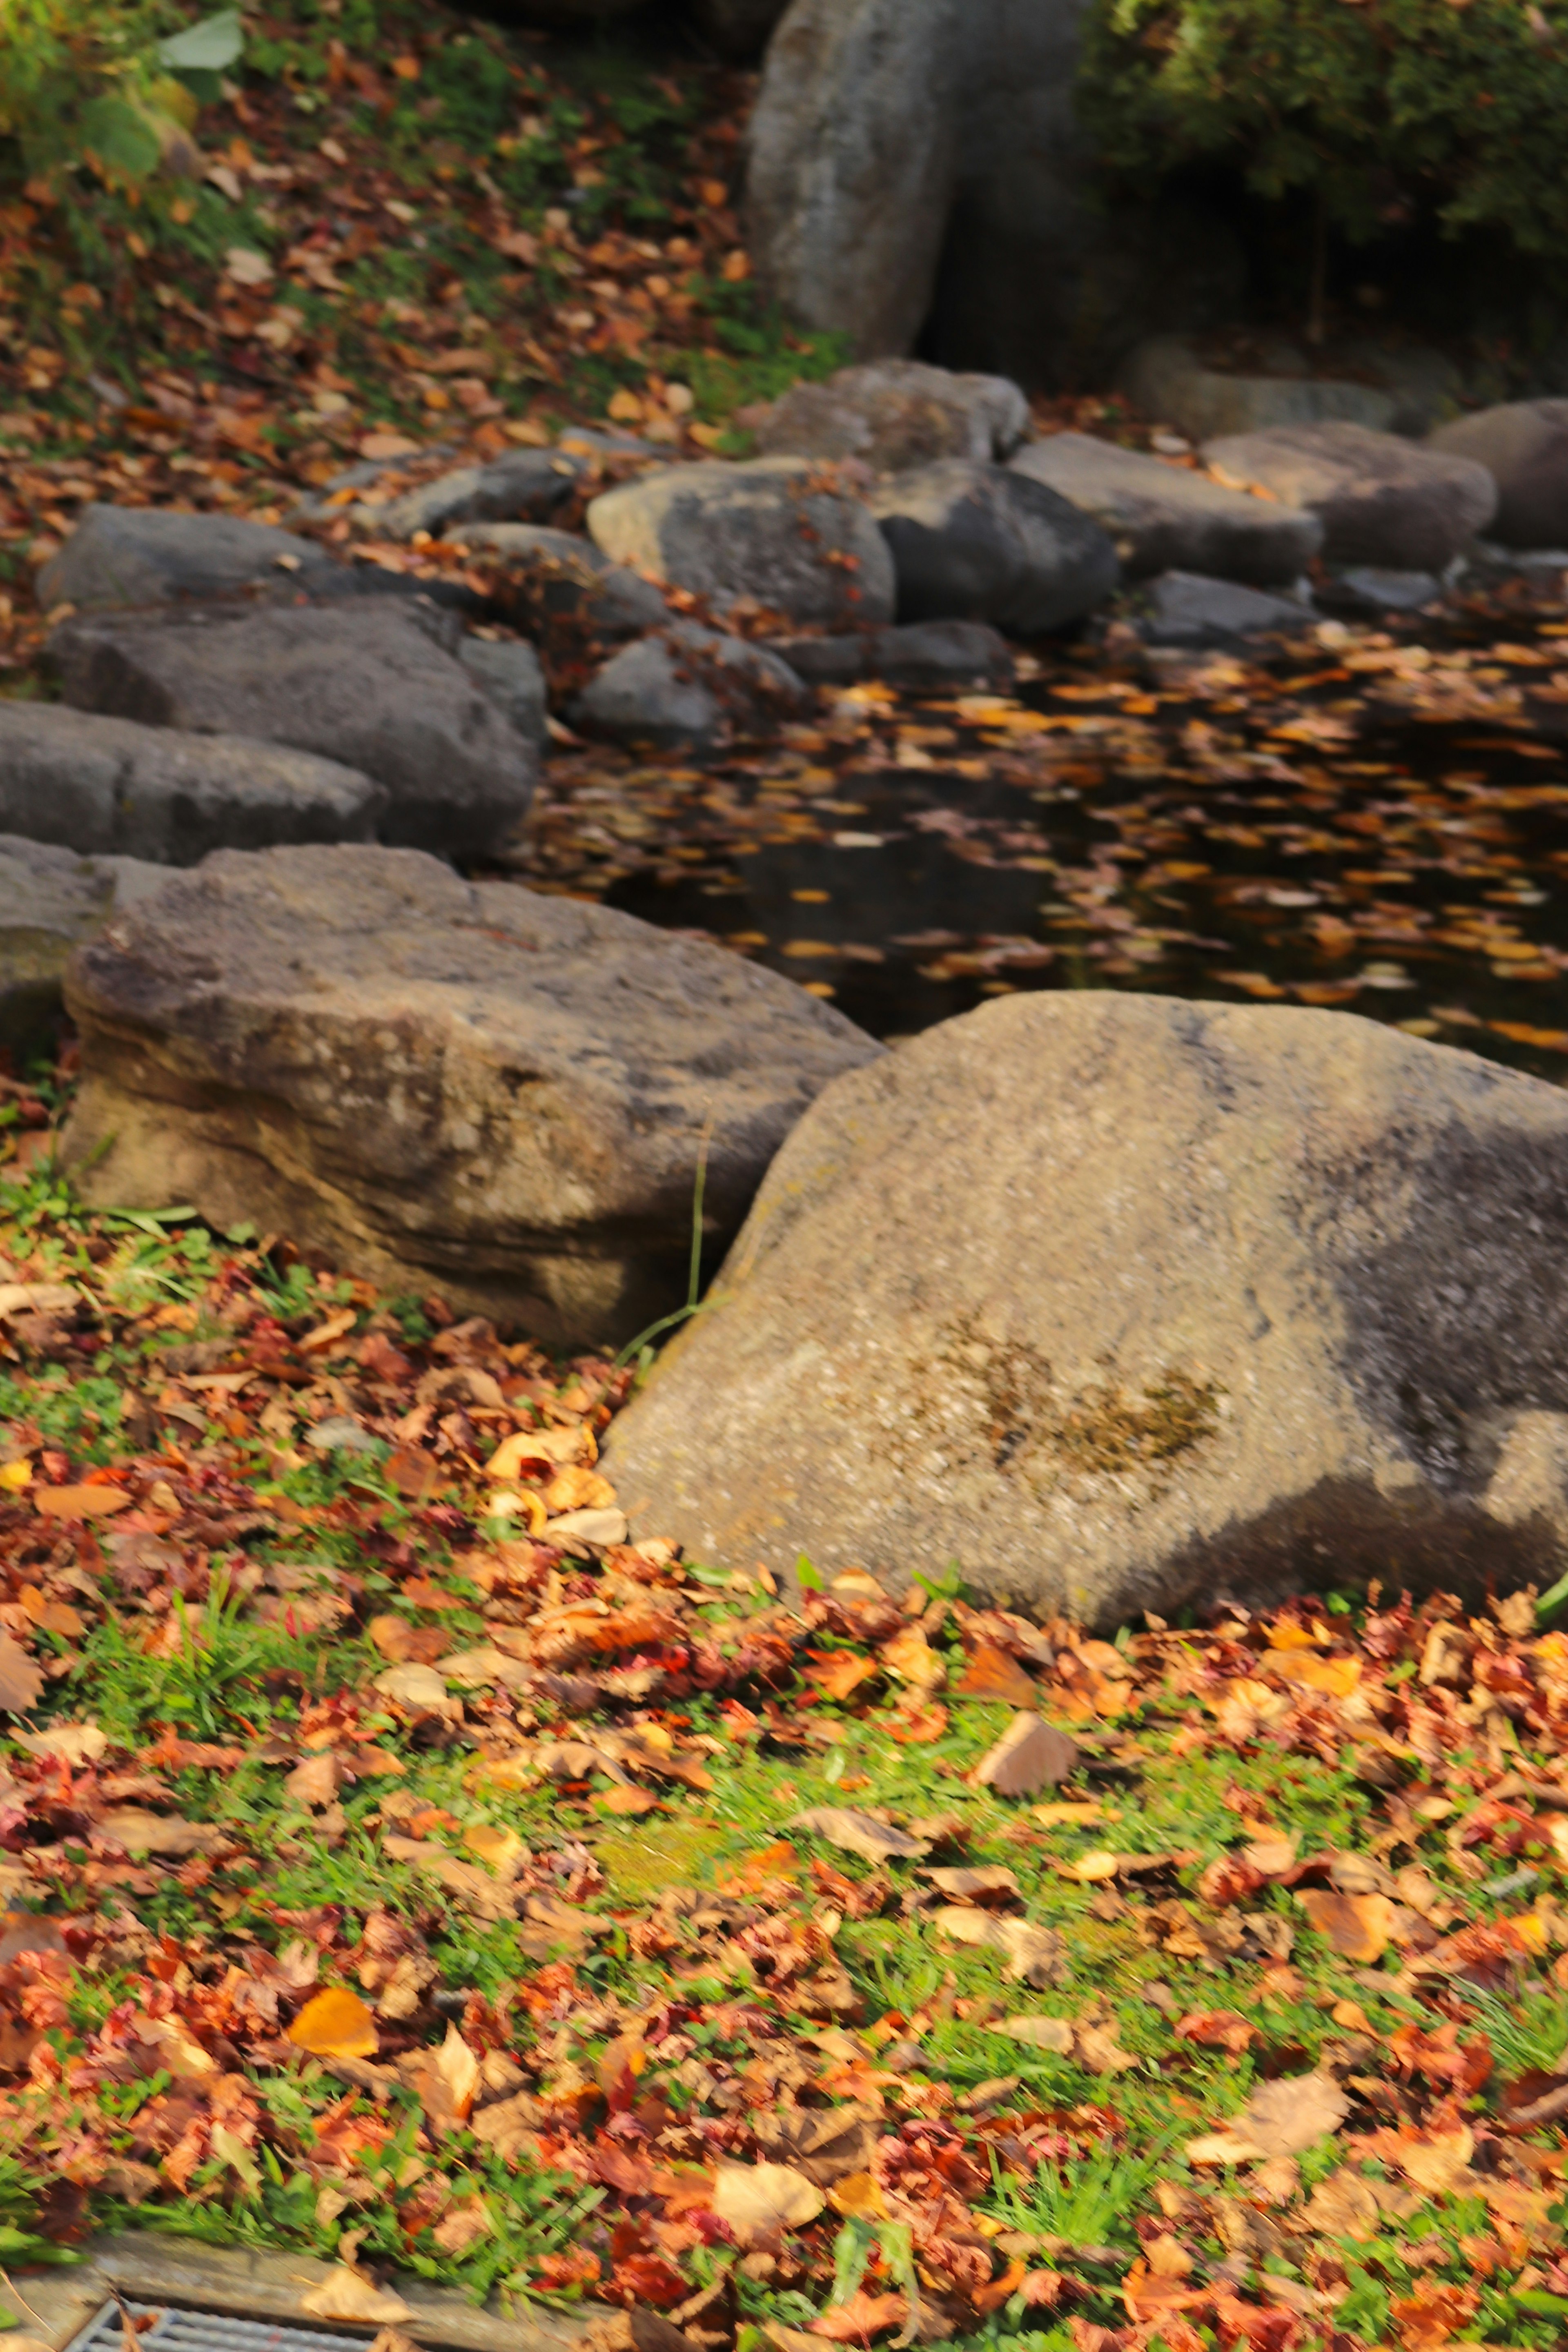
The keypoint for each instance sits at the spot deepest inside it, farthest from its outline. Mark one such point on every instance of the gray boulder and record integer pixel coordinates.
(50, 900)
(367, 684)
(897, 414)
(983, 544)
(1367, 588)
(1167, 377)
(927, 658)
(1523, 445)
(1166, 517)
(110, 787)
(513, 677)
(554, 577)
(1121, 1302)
(445, 1086)
(687, 688)
(524, 486)
(149, 555)
(768, 532)
(1182, 609)
(1381, 501)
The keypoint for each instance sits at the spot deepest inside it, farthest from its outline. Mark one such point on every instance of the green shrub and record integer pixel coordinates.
(1382, 111)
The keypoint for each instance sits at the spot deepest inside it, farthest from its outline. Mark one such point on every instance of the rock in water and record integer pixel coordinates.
(983, 544)
(1184, 610)
(689, 687)
(462, 1087)
(772, 532)
(50, 900)
(1381, 501)
(896, 414)
(110, 787)
(368, 684)
(1118, 1300)
(1165, 518)
(1523, 445)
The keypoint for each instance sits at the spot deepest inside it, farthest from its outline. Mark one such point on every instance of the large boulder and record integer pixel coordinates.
(1119, 1302)
(120, 556)
(1523, 445)
(773, 532)
(512, 674)
(689, 688)
(462, 1088)
(918, 164)
(50, 900)
(983, 544)
(369, 684)
(895, 415)
(1381, 501)
(111, 787)
(1167, 517)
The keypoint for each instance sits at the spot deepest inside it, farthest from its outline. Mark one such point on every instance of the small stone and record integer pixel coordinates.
(768, 532)
(557, 576)
(689, 687)
(896, 414)
(1367, 589)
(1183, 610)
(983, 543)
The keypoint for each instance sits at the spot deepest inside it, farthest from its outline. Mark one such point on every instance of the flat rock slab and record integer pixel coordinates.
(689, 687)
(467, 1088)
(1167, 517)
(774, 532)
(112, 787)
(1184, 609)
(245, 2282)
(983, 544)
(895, 415)
(1165, 377)
(1523, 444)
(1382, 501)
(123, 556)
(1117, 1301)
(50, 900)
(368, 684)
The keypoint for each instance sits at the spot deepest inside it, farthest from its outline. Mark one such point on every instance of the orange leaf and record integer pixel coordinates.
(992, 1673)
(863, 2317)
(1336, 1677)
(837, 1672)
(626, 1800)
(1217, 2029)
(755, 1870)
(80, 1502)
(992, 2297)
(1357, 1926)
(414, 1473)
(335, 2024)
(913, 1725)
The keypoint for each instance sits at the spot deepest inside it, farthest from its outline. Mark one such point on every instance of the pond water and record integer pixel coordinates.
(1377, 822)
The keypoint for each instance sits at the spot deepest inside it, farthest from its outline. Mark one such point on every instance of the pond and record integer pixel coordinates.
(1378, 822)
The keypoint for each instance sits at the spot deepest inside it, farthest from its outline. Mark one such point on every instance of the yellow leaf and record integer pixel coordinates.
(13, 1475)
(858, 2198)
(1357, 1926)
(1336, 1677)
(1288, 1635)
(335, 2024)
(910, 1656)
(344, 2293)
(502, 1848)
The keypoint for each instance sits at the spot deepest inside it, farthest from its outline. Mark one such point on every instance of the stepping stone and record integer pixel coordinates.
(1167, 517)
(1184, 610)
(127, 556)
(896, 414)
(1382, 501)
(760, 533)
(689, 688)
(370, 684)
(112, 787)
(1523, 444)
(50, 900)
(983, 543)
(462, 1088)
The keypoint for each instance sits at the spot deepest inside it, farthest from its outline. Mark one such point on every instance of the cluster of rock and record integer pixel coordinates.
(1114, 1300)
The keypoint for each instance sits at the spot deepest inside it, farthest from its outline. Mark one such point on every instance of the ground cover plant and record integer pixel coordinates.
(397, 1867)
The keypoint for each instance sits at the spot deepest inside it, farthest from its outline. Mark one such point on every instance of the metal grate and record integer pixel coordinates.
(176, 2330)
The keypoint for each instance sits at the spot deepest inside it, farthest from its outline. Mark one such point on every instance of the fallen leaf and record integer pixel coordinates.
(1335, 1677)
(337, 2024)
(75, 1744)
(760, 2202)
(80, 1502)
(418, 1687)
(839, 1671)
(992, 1673)
(858, 1832)
(160, 1833)
(975, 1884)
(861, 2317)
(1217, 2029)
(347, 2293)
(1342, 2206)
(911, 1657)
(1280, 2118)
(626, 1801)
(1357, 1926)
(315, 1782)
(755, 1871)
(1054, 2033)
(502, 1848)
(459, 2070)
(1038, 1955)
(1030, 1755)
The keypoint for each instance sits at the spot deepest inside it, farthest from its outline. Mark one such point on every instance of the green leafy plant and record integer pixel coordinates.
(1380, 110)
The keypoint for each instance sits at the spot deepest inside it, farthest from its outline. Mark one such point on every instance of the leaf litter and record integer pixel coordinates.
(369, 1960)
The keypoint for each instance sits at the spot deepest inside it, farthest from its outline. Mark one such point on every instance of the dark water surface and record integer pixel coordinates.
(1379, 822)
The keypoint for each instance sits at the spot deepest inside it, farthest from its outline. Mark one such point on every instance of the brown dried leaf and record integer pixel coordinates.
(760, 2202)
(1357, 1926)
(346, 2293)
(858, 1832)
(1031, 1755)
